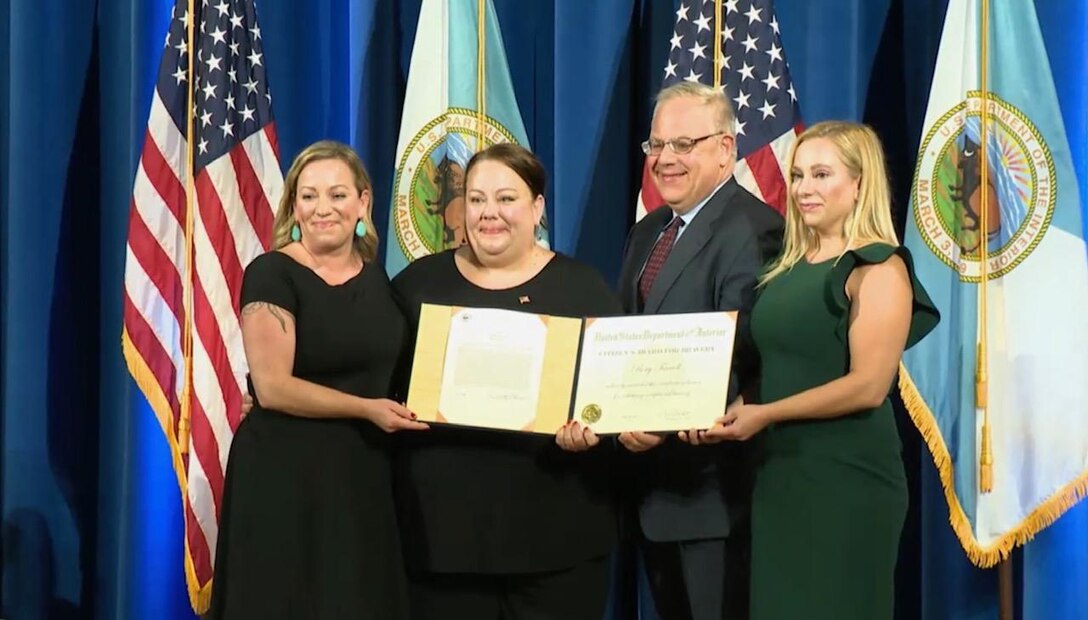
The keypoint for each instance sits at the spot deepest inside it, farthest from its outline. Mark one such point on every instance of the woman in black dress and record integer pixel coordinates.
(505, 525)
(308, 526)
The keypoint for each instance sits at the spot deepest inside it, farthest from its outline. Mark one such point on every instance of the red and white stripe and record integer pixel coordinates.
(234, 198)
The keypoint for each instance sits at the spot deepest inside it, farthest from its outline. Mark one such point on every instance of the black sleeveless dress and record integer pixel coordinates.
(308, 527)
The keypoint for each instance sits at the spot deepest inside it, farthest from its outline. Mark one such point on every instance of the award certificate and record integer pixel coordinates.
(654, 372)
(518, 371)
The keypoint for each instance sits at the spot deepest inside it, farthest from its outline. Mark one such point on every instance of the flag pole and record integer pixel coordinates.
(986, 458)
(1004, 589)
(190, 266)
(717, 43)
(481, 72)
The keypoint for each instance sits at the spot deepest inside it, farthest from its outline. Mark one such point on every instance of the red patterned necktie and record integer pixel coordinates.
(657, 258)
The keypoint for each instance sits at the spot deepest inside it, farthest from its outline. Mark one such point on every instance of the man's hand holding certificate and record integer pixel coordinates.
(518, 371)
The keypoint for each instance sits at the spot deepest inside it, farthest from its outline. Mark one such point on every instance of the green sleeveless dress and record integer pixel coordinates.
(830, 495)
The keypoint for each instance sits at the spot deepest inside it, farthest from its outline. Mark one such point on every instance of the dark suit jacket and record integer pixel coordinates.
(695, 492)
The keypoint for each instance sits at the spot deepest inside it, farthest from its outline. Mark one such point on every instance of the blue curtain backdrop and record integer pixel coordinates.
(91, 518)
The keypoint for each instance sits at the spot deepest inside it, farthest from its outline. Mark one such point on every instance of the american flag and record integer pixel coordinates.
(188, 243)
(755, 76)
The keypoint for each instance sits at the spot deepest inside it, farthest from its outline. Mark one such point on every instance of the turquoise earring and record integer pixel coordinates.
(360, 228)
(296, 233)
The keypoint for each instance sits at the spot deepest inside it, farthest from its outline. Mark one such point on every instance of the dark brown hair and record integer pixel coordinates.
(517, 158)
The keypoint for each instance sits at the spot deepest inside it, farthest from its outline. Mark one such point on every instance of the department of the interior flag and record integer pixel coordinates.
(1026, 209)
(459, 100)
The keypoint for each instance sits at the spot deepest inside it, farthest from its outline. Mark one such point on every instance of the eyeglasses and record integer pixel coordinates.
(680, 146)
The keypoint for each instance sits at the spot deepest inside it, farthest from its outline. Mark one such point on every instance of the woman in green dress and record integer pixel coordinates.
(835, 312)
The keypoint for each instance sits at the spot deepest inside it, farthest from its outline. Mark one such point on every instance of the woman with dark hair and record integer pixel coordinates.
(505, 525)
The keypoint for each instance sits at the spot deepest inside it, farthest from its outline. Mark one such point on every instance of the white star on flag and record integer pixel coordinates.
(767, 109)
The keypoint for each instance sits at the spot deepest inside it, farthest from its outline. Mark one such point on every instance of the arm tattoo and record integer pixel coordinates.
(279, 313)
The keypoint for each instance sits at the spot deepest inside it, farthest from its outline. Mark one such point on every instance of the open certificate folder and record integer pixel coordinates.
(519, 371)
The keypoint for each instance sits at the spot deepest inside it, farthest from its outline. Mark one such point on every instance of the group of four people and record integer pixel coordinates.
(329, 514)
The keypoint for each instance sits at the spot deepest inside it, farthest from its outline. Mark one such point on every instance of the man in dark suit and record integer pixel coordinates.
(702, 253)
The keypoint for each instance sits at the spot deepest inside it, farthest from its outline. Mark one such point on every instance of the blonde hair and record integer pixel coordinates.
(367, 245)
(706, 95)
(860, 151)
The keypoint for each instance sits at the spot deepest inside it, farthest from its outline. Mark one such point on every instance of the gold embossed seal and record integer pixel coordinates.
(591, 414)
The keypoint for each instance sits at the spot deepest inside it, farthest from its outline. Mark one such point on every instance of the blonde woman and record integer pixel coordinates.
(308, 527)
(836, 311)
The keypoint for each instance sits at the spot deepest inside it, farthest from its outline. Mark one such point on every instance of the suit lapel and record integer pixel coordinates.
(688, 246)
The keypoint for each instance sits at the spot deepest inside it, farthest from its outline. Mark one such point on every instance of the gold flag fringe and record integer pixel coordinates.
(199, 596)
(1043, 515)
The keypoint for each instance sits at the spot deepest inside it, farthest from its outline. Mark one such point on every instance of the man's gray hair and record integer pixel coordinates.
(706, 95)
